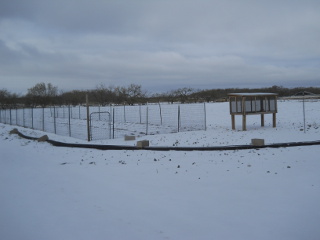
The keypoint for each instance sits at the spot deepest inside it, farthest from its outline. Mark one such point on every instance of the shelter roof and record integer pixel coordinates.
(252, 94)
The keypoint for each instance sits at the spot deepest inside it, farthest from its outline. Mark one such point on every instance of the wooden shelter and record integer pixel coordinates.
(252, 104)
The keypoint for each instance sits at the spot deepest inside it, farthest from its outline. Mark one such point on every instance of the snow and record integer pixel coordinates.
(49, 192)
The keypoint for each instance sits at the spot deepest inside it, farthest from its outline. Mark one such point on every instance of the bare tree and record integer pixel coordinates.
(135, 94)
(103, 95)
(7, 99)
(121, 94)
(42, 94)
(183, 94)
(4, 97)
(74, 97)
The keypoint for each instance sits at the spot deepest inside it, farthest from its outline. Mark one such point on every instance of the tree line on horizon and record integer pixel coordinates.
(42, 95)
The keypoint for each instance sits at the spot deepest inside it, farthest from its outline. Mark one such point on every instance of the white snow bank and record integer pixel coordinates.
(61, 193)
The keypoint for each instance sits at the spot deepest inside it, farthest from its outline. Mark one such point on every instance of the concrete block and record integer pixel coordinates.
(143, 143)
(257, 142)
(129, 138)
(43, 138)
(14, 131)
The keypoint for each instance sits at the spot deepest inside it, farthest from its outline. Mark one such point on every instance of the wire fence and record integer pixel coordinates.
(108, 122)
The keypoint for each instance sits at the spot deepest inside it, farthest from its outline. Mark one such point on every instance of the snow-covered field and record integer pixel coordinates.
(68, 193)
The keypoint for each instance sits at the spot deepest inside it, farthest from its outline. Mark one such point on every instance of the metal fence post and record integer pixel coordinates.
(42, 118)
(16, 116)
(88, 116)
(69, 115)
(23, 120)
(113, 123)
(178, 118)
(160, 113)
(205, 116)
(32, 117)
(10, 117)
(99, 113)
(54, 120)
(90, 127)
(304, 115)
(109, 122)
(147, 119)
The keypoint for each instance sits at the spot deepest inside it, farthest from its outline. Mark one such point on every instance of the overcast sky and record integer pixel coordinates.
(159, 44)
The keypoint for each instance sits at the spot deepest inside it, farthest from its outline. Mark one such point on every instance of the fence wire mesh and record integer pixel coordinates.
(100, 125)
(106, 122)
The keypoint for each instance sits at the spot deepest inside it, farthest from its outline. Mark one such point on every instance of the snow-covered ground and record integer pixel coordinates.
(68, 193)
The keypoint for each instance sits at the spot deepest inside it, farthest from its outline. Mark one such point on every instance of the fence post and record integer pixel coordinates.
(32, 117)
(178, 118)
(88, 116)
(42, 118)
(23, 120)
(17, 117)
(10, 117)
(147, 119)
(160, 113)
(124, 113)
(54, 120)
(113, 123)
(304, 115)
(205, 116)
(99, 113)
(69, 115)
(140, 112)
(90, 126)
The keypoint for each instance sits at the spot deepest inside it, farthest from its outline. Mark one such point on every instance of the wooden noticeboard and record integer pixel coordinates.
(251, 104)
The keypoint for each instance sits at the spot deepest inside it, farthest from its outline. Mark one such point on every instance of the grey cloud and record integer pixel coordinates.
(8, 56)
(75, 16)
(160, 44)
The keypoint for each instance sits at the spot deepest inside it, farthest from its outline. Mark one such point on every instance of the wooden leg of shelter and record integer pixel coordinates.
(262, 120)
(244, 122)
(233, 122)
(274, 120)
